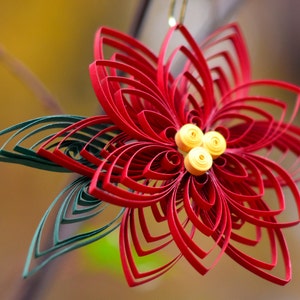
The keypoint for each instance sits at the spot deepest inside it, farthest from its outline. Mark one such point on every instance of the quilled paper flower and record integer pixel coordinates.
(192, 150)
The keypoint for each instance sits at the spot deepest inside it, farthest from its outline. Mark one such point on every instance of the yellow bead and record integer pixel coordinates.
(189, 136)
(198, 161)
(215, 143)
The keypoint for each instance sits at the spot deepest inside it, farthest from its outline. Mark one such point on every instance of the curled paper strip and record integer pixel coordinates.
(188, 137)
(215, 143)
(132, 158)
(198, 161)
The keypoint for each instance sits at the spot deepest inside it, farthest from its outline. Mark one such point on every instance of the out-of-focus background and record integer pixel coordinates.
(55, 40)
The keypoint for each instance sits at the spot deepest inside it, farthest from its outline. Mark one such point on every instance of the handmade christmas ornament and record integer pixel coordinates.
(181, 156)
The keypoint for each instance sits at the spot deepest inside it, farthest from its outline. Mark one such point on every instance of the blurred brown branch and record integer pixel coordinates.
(30, 80)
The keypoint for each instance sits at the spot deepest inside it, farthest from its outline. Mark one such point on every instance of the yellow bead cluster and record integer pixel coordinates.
(201, 149)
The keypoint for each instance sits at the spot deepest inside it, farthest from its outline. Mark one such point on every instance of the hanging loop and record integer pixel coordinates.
(172, 19)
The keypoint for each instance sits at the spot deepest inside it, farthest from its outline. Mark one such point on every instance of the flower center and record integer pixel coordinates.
(215, 143)
(199, 149)
(188, 137)
(198, 161)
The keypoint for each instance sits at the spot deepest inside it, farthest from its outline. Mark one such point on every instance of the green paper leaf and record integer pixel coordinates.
(66, 220)
(24, 139)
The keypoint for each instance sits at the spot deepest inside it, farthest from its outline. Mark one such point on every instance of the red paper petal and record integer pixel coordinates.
(213, 223)
(78, 146)
(124, 99)
(286, 152)
(182, 89)
(136, 238)
(261, 267)
(137, 174)
(123, 43)
(255, 122)
(248, 195)
(227, 58)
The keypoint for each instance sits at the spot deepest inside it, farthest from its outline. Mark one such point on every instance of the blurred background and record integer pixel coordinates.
(54, 39)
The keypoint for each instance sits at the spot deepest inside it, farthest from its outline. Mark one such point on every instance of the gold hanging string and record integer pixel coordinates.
(172, 19)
